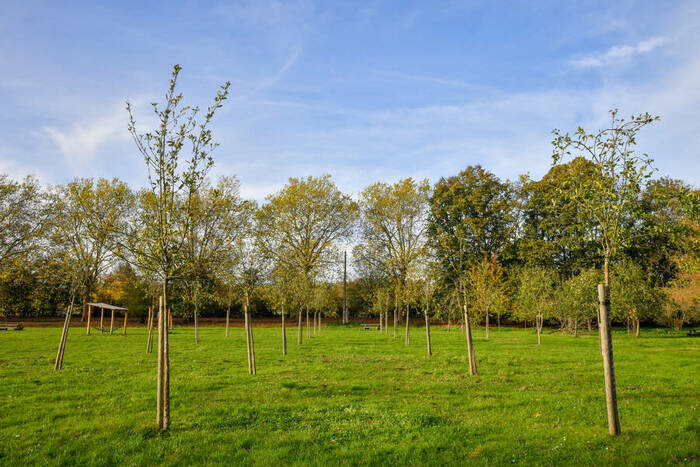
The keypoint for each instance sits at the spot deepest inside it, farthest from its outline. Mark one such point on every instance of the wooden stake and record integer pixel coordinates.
(126, 314)
(149, 326)
(159, 384)
(608, 365)
(427, 331)
(111, 324)
(88, 321)
(284, 334)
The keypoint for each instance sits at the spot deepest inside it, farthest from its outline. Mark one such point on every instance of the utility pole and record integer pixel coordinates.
(345, 287)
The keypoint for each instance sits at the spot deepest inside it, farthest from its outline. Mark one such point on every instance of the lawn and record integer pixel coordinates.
(348, 397)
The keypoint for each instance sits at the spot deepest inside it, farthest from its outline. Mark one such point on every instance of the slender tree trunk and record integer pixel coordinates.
(448, 324)
(427, 331)
(111, 324)
(228, 316)
(308, 324)
(320, 322)
(408, 332)
(300, 328)
(196, 323)
(252, 342)
(89, 318)
(246, 324)
(381, 318)
(151, 325)
(148, 329)
(575, 327)
(588, 324)
(86, 300)
(386, 322)
(126, 316)
(284, 334)
(166, 365)
(345, 288)
(539, 321)
(636, 330)
(487, 324)
(627, 322)
(396, 323)
(608, 365)
(470, 342)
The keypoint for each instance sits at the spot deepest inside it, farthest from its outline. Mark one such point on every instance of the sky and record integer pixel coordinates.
(365, 91)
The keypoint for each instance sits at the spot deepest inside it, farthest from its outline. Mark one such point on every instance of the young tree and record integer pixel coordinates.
(394, 221)
(487, 288)
(157, 236)
(633, 299)
(472, 214)
(534, 296)
(300, 226)
(611, 200)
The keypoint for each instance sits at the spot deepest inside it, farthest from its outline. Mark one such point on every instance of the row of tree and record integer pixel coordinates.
(470, 247)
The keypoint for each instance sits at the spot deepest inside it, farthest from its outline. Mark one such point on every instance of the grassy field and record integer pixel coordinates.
(348, 397)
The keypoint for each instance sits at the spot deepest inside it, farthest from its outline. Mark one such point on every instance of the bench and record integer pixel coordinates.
(366, 326)
(14, 326)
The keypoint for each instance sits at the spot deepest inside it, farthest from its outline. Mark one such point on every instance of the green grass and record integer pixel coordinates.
(347, 397)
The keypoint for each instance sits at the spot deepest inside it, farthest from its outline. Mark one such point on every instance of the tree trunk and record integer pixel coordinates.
(408, 332)
(308, 324)
(345, 288)
(386, 322)
(636, 330)
(196, 323)
(539, 320)
(249, 337)
(448, 324)
(470, 342)
(284, 334)
(246, 324)
(86, 299)
(608, 365)
(299, 328)
(126, 315)
(588, 324)
(228, 315)
(111, 324)
(396, 323)
(427, 331)
(487, 324)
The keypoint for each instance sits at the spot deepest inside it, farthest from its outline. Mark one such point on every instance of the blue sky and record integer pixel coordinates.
(365, 91)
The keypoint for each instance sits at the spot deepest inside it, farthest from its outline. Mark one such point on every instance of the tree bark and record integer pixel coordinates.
(396, 323)
(470, 342)
(588, 324)
(126, 315)
(284, 334)
(381, 318)
(89, 317)
(386, 322)
(427, 331)
(345, 287)
(228, 315)
(608, 365)
(636, 330)
(538, 324)
(149, 342)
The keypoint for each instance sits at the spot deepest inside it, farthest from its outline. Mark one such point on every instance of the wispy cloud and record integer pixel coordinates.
(620, 53)
(83, 140)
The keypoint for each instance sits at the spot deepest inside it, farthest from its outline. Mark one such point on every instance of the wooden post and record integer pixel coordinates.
(427, 331)
(228, 314)
(111, 323)
(88, 321)
(159, 384)
(284, 334)
(126, 314)
(64, 336)
(345, 287)
(608, 365)
(170, 317)
(102, 318)
(149, 322)
(299, 328)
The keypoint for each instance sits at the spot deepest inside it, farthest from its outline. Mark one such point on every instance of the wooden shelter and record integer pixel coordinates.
(103, 307)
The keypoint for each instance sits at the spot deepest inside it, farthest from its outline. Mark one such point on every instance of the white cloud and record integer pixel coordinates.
(620, 53)
(83, 140)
